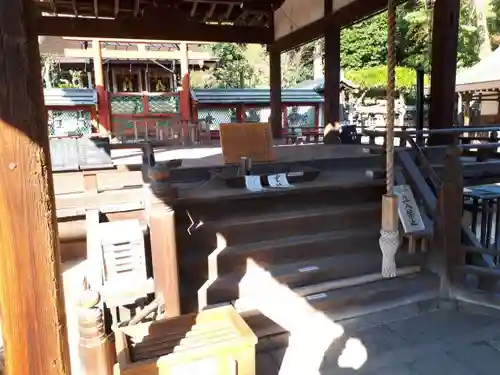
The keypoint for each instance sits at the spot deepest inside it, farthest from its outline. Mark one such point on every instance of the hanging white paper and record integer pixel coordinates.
(408, 211)
(253, 183)
(278, 181)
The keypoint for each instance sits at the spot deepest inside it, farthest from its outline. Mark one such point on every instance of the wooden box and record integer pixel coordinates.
(252, 140)
(212, 342)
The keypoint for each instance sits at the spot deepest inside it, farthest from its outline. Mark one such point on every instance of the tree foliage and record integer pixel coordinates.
(375, 77)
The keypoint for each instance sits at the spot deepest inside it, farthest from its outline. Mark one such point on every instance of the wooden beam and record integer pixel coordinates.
(345, 16)
(193, 9)
(31, 290)
(444, 68)
(136, 41)
(137, 7)
(117, 7)
(230, 8)
(210, 13)
(152, 28)
(136, 55)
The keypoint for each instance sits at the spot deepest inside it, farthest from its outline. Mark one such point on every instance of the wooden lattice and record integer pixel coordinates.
(246, 140)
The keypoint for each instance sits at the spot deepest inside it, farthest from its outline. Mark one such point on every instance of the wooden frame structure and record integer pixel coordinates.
(31, 296)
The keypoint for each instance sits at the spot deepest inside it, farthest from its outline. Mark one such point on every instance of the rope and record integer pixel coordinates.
(391, 83)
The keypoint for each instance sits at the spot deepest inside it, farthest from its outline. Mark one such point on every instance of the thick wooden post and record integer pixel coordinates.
(102, 94)
(31, 294)
(275, 83)
(332, 75)
(161, 217)
(450, 214)
(444, 68)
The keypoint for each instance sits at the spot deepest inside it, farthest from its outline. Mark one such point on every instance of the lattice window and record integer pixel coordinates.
(126, 104)
(69, 122)
(213, 117)
(258, 114)
(298, 117)
(163, 104)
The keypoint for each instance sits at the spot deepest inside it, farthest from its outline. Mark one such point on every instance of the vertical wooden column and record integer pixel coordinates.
(161, 218)
(31, 292)
(332, 75)
(102, 94)
(185, 94)
(444, 68)
(275, 83)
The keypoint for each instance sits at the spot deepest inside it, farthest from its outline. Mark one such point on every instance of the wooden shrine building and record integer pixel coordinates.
(31, 296)
(478, 88)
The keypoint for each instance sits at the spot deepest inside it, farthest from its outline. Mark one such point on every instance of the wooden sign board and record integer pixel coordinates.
(94, 153)
(408, 211)
(64, 154)
(252, 140)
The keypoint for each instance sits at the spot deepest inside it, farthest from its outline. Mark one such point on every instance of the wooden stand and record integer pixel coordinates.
(214, 342)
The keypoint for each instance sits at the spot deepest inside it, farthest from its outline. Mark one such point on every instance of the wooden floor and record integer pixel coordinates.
(418, 339)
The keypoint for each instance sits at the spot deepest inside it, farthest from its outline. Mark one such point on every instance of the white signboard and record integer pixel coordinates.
(278, 181)
(408, 211)
(253, 183)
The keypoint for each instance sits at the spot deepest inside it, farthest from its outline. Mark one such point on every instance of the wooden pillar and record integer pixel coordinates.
(185, 107)
(185, 94)
(31, 292)
(332, 75)
(275, 83)
(161, 218)
(102, 94)
(444, 68)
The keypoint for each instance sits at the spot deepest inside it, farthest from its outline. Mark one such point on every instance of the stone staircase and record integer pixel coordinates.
(314, 251)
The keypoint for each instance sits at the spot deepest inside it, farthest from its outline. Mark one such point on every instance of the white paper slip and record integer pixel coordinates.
(408, 211)
(253, 183)
(278, 181)
(308, 269)
(314, 297)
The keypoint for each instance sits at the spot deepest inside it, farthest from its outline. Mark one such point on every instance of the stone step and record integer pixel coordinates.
(274, 225)
(303, 274)
(243, 204)
(227, 259)
(280, 312)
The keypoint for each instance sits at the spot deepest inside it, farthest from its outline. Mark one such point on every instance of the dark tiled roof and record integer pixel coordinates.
(253, 96)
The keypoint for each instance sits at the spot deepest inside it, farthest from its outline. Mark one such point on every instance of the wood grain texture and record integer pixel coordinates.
(31, 294)
(246, 140)
(164, 257)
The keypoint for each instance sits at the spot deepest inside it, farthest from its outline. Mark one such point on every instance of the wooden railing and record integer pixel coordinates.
(467, 223)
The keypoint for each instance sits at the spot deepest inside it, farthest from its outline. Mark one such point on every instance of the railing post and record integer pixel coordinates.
(97, 353)
(420, 107)
(450, 215)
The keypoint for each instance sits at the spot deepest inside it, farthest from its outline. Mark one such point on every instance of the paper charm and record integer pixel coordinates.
(278, 181)
(253, 183)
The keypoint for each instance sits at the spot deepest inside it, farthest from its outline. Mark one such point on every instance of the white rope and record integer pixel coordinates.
(389, 244)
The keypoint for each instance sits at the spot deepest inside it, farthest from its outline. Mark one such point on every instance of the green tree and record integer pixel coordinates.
(375, 77)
